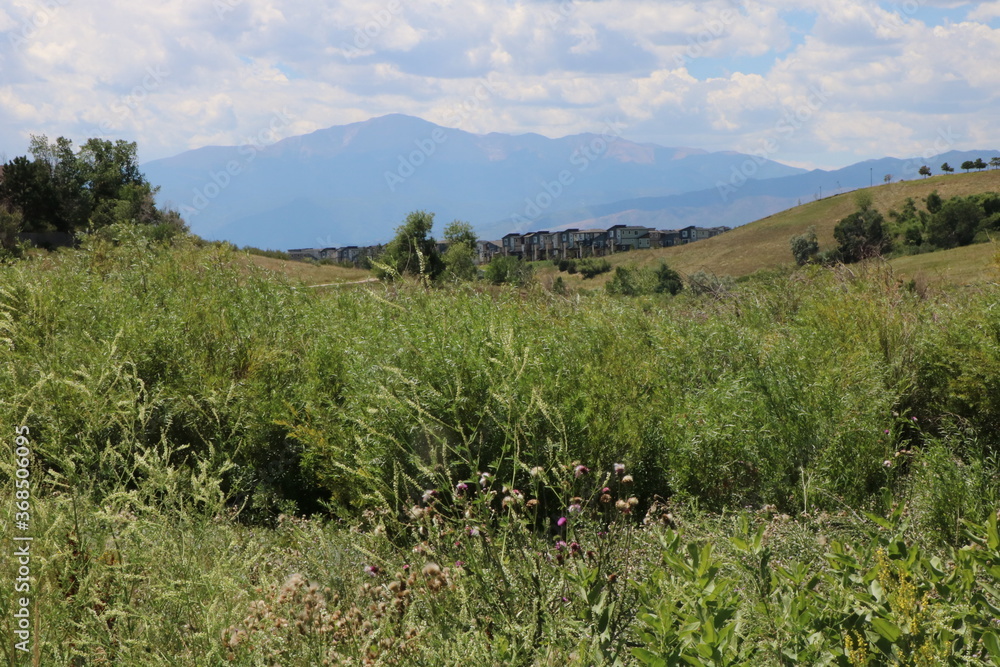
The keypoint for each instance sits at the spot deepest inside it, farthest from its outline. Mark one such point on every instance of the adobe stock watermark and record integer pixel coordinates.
(366, 35)
(223, 7)
(126, 105)
(896, 13)
(408, 164)
(30, 26)
(21, 614)
(218, 181)
(711, 30)
(790, 122)
(581, 159)
(563, 11)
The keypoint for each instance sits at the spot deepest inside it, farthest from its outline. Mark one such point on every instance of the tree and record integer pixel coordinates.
(887, 178)
(967, 165)
(412, 251)
(628, 281)
(27, 187)
(66, 190)
(507, 269)
(946, 168)
(861, 235)
(668, 281)
(995, 162)
(955, 223)
(864, 199)
(11, 223)
(979, 164)
(459, 263)
(460, 257)
(925, 171)
(934, 202)
(458, 231)
(805, 247)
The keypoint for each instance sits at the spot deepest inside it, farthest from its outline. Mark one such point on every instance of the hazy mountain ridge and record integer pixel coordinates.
(353, 184)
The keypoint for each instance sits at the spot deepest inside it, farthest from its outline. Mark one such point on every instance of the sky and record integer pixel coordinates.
(811, 83)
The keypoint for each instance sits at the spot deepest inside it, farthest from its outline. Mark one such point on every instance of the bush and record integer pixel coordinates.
(630, 281)
(592, 266)
(567, 265)
(506, 269)
(805, 247)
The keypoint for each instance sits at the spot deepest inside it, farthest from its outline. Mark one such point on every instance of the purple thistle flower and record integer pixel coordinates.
(581, 470)
(561, 522)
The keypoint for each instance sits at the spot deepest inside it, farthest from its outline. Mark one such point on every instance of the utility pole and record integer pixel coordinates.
(871, 178)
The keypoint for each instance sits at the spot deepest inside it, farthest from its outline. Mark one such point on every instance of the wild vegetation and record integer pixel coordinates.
(60, 189)
(941, 224)
(798, 468)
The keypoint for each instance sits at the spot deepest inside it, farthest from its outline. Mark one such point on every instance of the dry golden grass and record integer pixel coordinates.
(308, 273)
(764, 244)
(959, 266)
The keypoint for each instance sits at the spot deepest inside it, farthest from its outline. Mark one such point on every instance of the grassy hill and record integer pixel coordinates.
(764, 244)
(308, 273)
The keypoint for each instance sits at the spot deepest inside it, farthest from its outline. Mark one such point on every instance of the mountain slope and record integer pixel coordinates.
(764, 244)
(734, 202)
(355, 183)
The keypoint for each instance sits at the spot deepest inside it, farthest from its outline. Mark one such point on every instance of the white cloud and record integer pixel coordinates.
(715, 74)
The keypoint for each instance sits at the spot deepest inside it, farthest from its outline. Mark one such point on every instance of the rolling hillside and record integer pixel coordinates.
(764, 244)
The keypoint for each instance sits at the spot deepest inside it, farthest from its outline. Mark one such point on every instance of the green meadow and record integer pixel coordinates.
(230, 467)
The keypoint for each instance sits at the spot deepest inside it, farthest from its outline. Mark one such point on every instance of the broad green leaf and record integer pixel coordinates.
(887, 629)
(992, 645)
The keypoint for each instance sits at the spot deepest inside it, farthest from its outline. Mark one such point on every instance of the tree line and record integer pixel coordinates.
(940, 224)
(59, 188)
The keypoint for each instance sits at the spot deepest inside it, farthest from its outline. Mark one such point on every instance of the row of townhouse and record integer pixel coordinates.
(565, 244)
(485, 251)
(577, 243)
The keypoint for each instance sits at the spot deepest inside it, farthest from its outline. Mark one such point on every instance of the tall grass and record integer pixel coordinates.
(187, 410)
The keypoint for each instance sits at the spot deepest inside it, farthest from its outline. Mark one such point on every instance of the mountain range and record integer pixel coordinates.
(354, 184)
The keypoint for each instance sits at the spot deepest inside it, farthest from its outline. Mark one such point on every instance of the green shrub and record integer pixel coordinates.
(590, 267)
(509, 270)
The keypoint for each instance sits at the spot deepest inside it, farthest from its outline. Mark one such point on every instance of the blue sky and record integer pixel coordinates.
(814, 83)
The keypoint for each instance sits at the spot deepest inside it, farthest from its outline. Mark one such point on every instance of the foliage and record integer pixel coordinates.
(934, 202)
(630, 281)
(805, 247)
(96, 186)
(880, 601)
(946, 168)
(821, 444)
(864, 199)
(273, 254)
(861, 235)
(705, 283)
(567, 265)
(458, 231)
(11, 223)
(459, 263)
(955, 223)
(508, 270)
(460, 258)
(412, 252)
(925, 171)
(590, 267)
